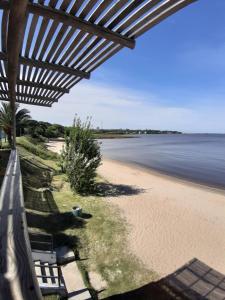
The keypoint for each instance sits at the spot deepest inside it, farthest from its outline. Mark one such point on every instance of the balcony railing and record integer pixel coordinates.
(17, 274)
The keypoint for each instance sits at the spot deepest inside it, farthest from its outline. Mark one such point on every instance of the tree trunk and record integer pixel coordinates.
(9, 138)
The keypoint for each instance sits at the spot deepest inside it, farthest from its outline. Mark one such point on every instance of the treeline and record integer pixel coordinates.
(134, 131)
(38, 129)
(48, 130)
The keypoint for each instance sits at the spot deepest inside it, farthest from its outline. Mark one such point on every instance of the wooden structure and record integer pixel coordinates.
(17, 276)
(47, 47)
(196, 280)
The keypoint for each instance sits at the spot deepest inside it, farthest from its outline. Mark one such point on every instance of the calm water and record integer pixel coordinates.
(195, 157)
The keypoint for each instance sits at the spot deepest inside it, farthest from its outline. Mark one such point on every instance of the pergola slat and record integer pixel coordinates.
(50, 66)
(31, 96)
(74, 21)
(115, 22)
(75, 42)
(164, 15)
(127, 10)
(93, 18)
(38, 85)
(26, 102)
(117, 48)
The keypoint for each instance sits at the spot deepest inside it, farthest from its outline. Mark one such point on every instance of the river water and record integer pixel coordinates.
(195, 157)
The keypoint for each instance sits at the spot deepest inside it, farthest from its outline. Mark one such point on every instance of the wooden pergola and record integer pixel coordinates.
(47, 47)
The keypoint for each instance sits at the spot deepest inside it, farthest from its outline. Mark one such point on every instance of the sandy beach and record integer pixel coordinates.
(170, 221)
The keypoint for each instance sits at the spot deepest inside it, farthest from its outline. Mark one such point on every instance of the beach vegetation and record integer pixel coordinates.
(6, 119)
(36, 146)
(44, 130)
(80, 156)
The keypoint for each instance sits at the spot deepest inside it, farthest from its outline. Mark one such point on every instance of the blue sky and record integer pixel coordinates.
(173, 79)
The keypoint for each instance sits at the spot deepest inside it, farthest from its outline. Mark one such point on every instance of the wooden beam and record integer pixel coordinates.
(84, 25)
(17, 18)
(38, 97)
(27, 102)
(70, 20)
(49, 66)
(38, 85)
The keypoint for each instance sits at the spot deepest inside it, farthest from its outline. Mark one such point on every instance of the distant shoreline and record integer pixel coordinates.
(115, 136)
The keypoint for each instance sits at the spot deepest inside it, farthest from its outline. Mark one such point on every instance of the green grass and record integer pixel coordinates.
(100, 236)
(36, 147)
(30, 156)
(4, 144)
(103, 241)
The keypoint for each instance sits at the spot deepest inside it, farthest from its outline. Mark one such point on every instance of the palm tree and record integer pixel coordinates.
(6, 119)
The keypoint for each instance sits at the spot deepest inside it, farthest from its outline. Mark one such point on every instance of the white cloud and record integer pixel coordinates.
(116, 107)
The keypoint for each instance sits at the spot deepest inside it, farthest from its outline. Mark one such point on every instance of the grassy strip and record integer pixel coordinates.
(102, 244)
(99, 236)
(36, 147)
(30, 156)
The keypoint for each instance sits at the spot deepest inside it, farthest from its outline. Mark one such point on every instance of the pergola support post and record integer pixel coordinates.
(17, 17)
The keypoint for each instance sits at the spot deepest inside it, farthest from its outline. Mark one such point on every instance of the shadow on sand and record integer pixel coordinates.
(105, 189)
(195, 281)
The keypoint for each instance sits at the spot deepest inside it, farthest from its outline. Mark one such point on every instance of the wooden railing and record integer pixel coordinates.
(17, 275)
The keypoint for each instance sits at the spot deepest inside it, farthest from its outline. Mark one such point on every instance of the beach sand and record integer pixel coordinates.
(170, 221)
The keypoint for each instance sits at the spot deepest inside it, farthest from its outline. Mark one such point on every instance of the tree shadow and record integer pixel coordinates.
(104, 189)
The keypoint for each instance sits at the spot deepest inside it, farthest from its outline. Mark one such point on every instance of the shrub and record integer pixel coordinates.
(80, 156)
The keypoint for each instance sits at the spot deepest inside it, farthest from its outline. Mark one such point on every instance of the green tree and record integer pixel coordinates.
(6, 119)
(81, 156)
